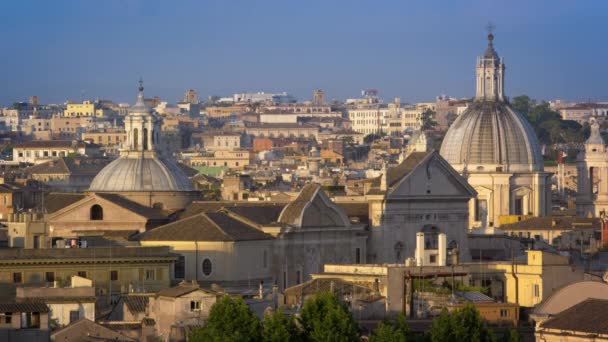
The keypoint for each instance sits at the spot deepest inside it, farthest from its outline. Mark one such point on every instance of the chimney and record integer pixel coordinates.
(419, 253)
(442, 249)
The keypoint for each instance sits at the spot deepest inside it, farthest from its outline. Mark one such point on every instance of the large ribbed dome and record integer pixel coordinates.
(490, 136)
(145, 172)
(140, 168)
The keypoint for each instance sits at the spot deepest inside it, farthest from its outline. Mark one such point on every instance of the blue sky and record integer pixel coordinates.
(411, 49)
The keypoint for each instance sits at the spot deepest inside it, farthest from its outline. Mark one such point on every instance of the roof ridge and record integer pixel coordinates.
(218, 227)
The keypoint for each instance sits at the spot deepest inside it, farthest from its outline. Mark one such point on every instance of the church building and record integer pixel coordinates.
(497, 151)
(142, 174)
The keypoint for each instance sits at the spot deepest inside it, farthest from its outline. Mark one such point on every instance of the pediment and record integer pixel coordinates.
(80, 211)
(432, 177)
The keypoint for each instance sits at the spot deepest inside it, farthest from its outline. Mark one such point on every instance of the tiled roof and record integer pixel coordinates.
(24, 307)
(395, 174)
(260, 214)
(554, 222)
(57, 201)
(205, 227)
(293, 210)
(84, 330)
(198, 207)
(72, 166)
(587, 317)
(136, 303)
(151, 213)
(359, 210)
(179, 290)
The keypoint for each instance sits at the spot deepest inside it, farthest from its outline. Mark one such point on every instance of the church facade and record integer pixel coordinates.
(423, 194)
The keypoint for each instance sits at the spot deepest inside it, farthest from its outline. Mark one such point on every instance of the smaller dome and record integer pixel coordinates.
(595, 137)
(147, 173)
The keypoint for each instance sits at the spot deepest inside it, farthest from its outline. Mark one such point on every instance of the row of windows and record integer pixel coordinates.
(28, 154)
(212, 164)
(49, 277)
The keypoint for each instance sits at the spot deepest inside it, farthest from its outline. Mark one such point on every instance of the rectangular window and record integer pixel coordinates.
(298, 277)
(30, 320)
(357, 255)
(504, 313)
(82, 274)
(284, 280)
(113, 275)
(149, 274)
(36, 241)
(518, 206)
(6, 318)
(433, 258)
(481, 209)
(195, 305)
(179, 270)
(536, 290)
(17, 277)
(74, 315)
(50, 277)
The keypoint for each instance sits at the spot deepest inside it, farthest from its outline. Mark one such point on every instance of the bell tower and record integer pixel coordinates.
(592, 175)
(490, 73)
(142, 127)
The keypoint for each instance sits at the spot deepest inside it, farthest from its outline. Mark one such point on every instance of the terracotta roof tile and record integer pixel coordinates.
(587, 317)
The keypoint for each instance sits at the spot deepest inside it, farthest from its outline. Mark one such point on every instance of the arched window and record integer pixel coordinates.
(96, 212)
(207, 267)
(135, 139)
(431, 236)
(145, 139)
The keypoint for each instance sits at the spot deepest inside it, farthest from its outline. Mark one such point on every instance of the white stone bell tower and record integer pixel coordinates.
(592, 178)
(490, 73)
(142, 127)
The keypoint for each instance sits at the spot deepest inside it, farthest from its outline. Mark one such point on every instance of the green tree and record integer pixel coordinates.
(465, 324)
(278, 327)
(370, 138)
(348, 140)
(428, 121)
(325, 318)
(511, 335)
(523, 104)
(230, 320)
(441, 329)
(396, 330)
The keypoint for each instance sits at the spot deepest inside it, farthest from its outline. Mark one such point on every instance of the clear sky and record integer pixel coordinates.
(412, 49)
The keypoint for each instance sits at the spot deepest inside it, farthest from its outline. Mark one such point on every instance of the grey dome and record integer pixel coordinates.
(489, 135)
(141, 173)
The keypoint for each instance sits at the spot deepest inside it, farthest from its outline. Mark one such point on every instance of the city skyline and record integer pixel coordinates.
(415, 51)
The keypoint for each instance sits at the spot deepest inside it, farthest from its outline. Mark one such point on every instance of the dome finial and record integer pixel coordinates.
(141, 84)
(490, 28)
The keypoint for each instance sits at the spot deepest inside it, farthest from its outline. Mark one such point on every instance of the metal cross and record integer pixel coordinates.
(490, 27)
